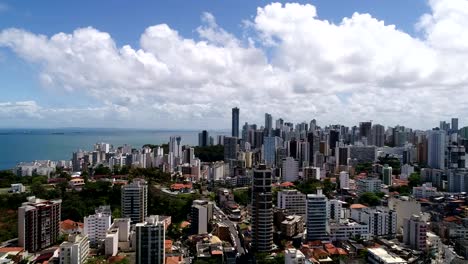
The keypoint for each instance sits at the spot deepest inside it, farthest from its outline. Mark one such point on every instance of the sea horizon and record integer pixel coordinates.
(29, 144)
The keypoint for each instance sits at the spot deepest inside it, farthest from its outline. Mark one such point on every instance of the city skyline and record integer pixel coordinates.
(361, 62)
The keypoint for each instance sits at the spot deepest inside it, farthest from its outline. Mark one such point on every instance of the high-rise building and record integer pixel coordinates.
(293, 201)
(377, 135)
(290, 169)
(333, 139)
(135, 200)
(334, 209)
(75, 250)
(270, 144)
(414, 232)
(368, 185)
(150, 241)
(314, 144)
(382, 221)
(317, 216)
(365, 130)
(96, 225)
(38, 223)
(203, 139)
(344, 180)
(201, 214)
(341, 155)
(230, 148)
(310, 173)
(387, 175)
(262, 209)
(175, 146)
(455, 125)
(268, 124)
(235, 122)
(436, 149)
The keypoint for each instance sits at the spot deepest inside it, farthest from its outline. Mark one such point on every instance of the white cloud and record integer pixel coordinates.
(355, 70)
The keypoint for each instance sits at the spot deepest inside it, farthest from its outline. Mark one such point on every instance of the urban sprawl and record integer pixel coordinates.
(272, 193)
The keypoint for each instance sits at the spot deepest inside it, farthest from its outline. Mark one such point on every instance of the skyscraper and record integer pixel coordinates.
(436, 149)
(455, 124)
(268, 124)
(378, 135)
(235, 122)
(270, 144)
(135, 200)
(38, 223)
(365, 130)
(230, 148)
(262, 209)
(387, 175)
(203, 139)
(414, 232)
(317, 221)
(175, 146)
(150, 238)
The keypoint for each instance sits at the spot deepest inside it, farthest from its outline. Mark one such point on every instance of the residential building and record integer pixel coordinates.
(436, 149)
(38, 223)
(414, 232)
(117, 236)
(294, 256)
(262, 209)
(290, 169)
(230, 148)
(270, 144)
(404, 207)
(381, 220)
(335, 208)
(75, 250)
(368, 185)
(377, 135)
(135, 200)
(293, 201)
(346, 230)
(310, 173)
(201, 214)
(150, 241)
(425, 191)
(96, 225)
(344, 180)
(387, 175)
(317, 220)
(292, 225)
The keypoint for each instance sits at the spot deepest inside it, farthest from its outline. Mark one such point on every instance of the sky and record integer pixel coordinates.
(185, 64)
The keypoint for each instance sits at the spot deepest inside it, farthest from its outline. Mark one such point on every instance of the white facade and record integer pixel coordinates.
(368, 185)
(17, 188)
(75, 250)
(335, 210)
(406, 171)
(381, 220)
(293, 201)
(290, 169)
(424, 191)
(96, 225)
(344, 180)
(117, 234)
(348, 230)
(381, 256)
(294, 256)
(436, 149)
(414, 232)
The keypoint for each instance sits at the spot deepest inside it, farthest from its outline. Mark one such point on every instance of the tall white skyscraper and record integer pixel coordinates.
(436, 149)
(135, 200)
(150, 238)
(317, 216)
(96, 225)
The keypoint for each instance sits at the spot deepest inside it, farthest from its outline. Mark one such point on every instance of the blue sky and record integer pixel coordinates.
(126, 21)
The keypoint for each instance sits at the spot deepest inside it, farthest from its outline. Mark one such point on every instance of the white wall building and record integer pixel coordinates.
(381, 256)
(290, 169)
(96, 225)
(75, 250)
(293, 201)
(294, 256)
(414, 232)
(118, 235)
(381, 220)
(344, 180)
(368, 185)
(348, 230)
(425, 191)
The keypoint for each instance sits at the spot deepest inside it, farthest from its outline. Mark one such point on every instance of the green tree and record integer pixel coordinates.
(242, 196)
(369, 198)
(414, 180)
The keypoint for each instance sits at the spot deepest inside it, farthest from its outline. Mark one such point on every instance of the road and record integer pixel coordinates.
(232, 229)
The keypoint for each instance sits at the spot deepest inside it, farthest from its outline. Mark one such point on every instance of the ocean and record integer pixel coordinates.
(17, 145)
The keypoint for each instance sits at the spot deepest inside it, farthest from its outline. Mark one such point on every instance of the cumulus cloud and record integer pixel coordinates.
(354, 70)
